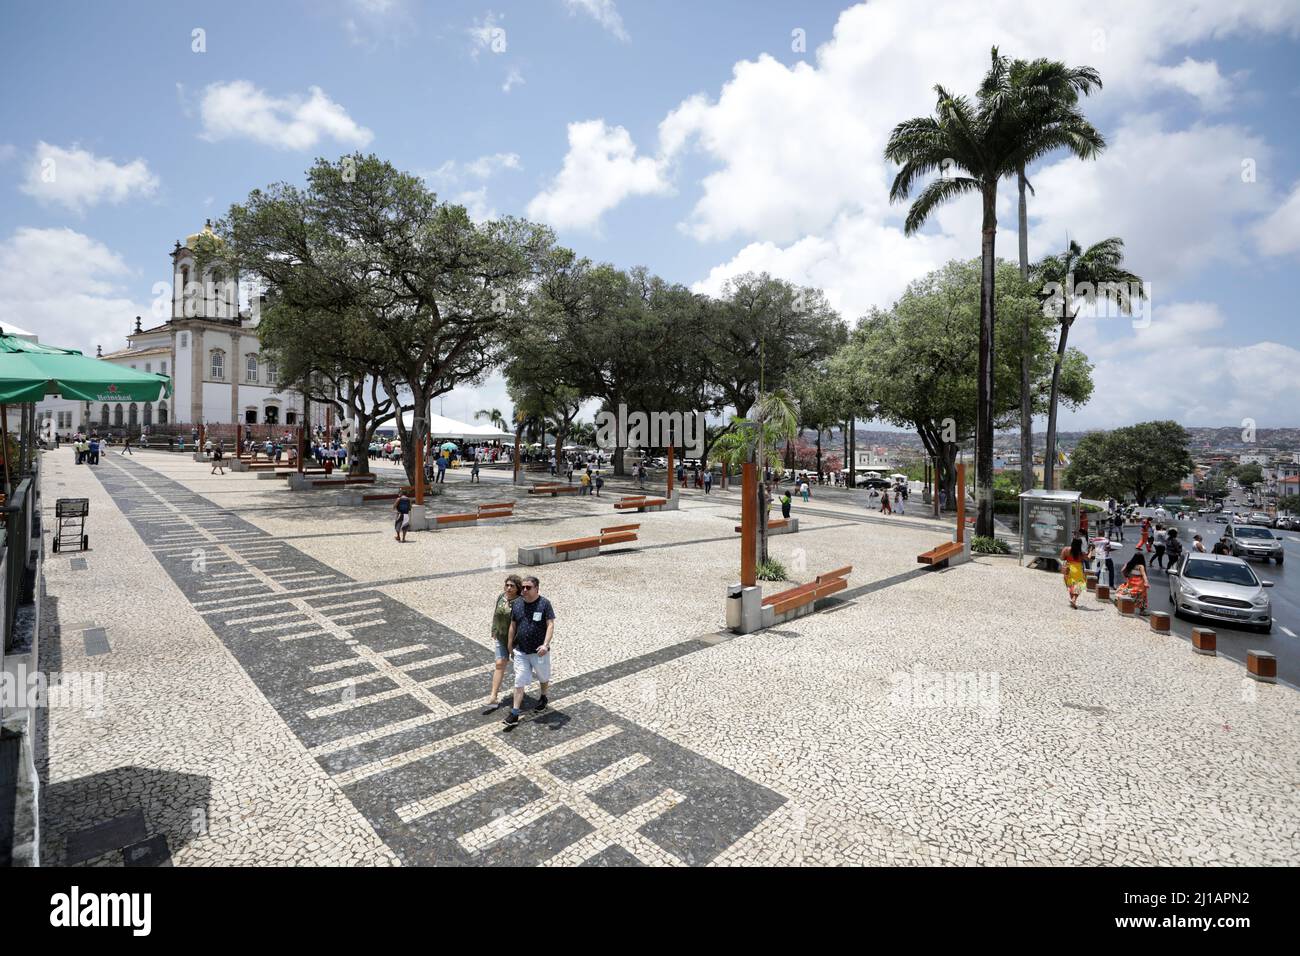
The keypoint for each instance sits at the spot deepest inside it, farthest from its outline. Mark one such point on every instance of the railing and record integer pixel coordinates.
(16, 578)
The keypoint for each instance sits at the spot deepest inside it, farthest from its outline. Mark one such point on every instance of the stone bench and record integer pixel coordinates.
(286, 470)
(577, 548)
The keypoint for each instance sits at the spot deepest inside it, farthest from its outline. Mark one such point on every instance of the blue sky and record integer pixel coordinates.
(690, 138)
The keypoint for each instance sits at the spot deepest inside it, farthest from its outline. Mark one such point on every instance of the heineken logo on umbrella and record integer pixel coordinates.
(112, 389)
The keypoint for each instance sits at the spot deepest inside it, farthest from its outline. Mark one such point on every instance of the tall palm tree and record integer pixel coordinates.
(1042, 87)
(1082, 277)
(973, 145)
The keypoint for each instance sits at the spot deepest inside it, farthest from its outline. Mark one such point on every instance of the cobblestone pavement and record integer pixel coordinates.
(286, 684)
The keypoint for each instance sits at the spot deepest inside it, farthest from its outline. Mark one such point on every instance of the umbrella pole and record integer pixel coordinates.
(4, 429)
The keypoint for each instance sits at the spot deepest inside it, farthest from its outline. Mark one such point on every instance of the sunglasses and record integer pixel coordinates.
(530, 587)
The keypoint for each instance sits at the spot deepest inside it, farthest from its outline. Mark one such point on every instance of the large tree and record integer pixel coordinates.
(1069, 282)
(973, 145)
(1141, 460)
(436, 293)
(916, 363)
(1040, 87)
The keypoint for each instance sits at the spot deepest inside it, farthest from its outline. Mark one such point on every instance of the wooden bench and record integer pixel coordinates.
(940, 556)
(496, 509)
(554, 490)
(332, 482)
(554, 551)
(640, 503)
(780, 526)
(783, 602)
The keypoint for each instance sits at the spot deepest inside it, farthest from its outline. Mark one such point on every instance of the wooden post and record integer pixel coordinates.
(671, 472)
(748, 525)
(961, 502)
(239, 439)
(4, 437)
(302, 447)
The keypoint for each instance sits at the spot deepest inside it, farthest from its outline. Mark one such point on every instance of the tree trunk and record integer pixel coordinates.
(853, 452)
(1026, 400)
(1049, 455)
(819, 453)
(984, 393)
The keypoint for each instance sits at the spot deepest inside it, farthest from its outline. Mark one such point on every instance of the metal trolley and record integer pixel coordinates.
(70, 523)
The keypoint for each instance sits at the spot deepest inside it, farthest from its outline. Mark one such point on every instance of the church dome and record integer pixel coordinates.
(193, 238)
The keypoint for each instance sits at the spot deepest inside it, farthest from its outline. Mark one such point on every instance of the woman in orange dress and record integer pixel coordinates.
(1135, 581)
(1072, 570)
(1145, 540)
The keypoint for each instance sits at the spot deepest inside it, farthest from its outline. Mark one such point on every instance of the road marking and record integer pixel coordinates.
(1286, 630)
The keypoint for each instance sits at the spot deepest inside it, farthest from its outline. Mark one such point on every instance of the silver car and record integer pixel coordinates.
(1250, 541)
(1222, 588)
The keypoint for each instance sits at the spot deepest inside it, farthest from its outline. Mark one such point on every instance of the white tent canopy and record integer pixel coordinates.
(441, 426)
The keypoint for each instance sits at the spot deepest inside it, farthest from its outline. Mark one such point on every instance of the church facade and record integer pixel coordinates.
(211, 349)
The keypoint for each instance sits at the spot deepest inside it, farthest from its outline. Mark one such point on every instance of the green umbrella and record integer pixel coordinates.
(30, 371)
(449, 446)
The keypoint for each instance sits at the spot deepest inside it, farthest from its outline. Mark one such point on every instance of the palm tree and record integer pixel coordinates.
(1042, 87)
(494, 417)
(973, 145)
(1095, 273)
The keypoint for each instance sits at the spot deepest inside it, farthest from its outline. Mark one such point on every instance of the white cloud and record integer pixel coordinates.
(67, 288)
(603, 12)
(238, 109)
(1178, 368)
(1139, 190)
(1279, 234)
(451, 179)
(77, 178)
(1198, 78)
(600, 170)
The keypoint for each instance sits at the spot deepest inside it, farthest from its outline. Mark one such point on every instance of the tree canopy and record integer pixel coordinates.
(1142, 461)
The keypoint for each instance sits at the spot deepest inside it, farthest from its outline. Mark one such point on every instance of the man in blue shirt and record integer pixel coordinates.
(532, 626)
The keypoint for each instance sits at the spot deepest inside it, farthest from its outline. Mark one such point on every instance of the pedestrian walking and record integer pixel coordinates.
(899, 501)
(126, 447)
(532, 628)
(708, 481)
(1161, 540)
(402, 523)
(473, 471)
(885, 508)
(1197, 544)
(1072, 570)
(600, 483)
(1105, 557)
(501, 636)
(785, 505)
(804, 490)
(218, 461)
(1173, 548)
(585, 483)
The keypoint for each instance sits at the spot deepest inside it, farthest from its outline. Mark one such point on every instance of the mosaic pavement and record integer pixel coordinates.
(386, 700)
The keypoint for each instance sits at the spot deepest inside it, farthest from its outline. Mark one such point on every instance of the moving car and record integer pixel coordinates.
(1222, 518)
(1261, 519)
(1250, 541)
(1220, 587)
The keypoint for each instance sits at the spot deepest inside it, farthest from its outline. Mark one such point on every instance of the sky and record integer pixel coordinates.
(698, 140)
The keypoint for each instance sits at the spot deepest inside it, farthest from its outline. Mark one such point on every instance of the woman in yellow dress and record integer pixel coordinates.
(1072, 569)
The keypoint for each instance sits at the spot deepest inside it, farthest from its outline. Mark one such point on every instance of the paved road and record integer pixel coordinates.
(1235, 641)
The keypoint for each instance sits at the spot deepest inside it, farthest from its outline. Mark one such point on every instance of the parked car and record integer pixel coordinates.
(1250, 541)
(1222, 588)
(1288, 522)
(1261, 519)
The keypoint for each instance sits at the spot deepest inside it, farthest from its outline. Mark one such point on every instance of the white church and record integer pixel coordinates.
(211, 350)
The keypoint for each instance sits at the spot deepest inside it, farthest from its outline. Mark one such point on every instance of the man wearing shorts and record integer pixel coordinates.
(532, 626)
